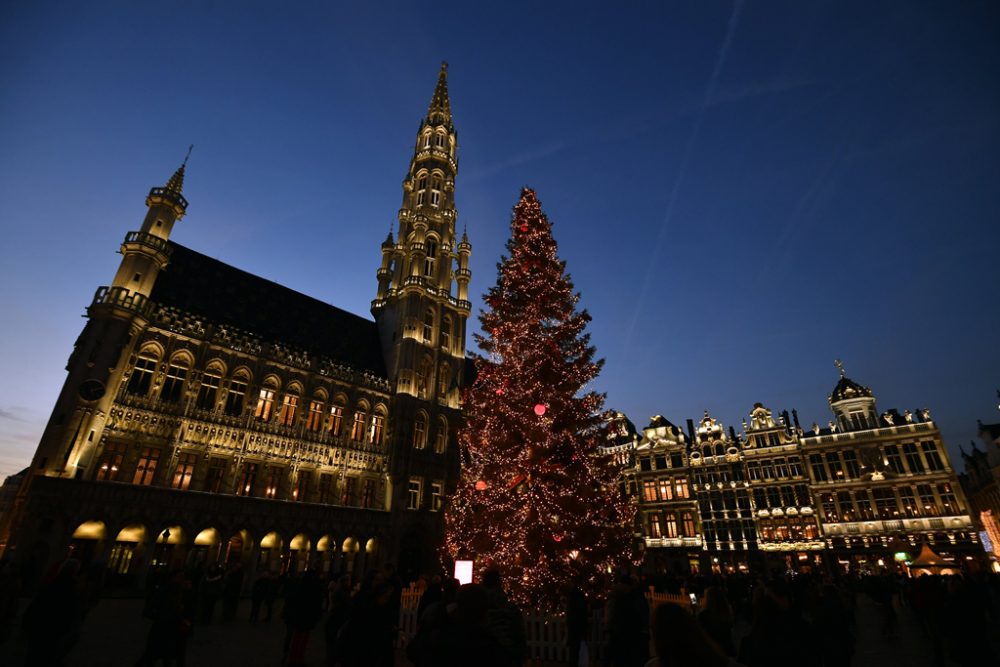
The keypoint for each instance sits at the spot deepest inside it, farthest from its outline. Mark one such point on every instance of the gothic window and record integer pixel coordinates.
(441, 437)
(932, 455)
(440, 140)
(687, 519)
(446, 333)
(913, 460)
(421, 197)
(350, 484)
(301, 486)
(413, 493)
(435, 199)
(142, 375)
(236, 395)
(360, 420)
(184, 471)
(420, 431)
(173, 384)
(368, 493)
(437, 496)
(289, 406)
(336, 422)
(427, 139)
(110, 464)
(444, 375)
(423, 377)
(273, 480)
(248, 480)
(315, 419)
(265, 404)
(146, 470)
(378, 425)
(430, 259)
(208, 392)
(654, 524)
(428, 325)
(216, 475)
(326, 488)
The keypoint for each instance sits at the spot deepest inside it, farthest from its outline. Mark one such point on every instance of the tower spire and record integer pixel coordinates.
(176, 182)
(439, 110)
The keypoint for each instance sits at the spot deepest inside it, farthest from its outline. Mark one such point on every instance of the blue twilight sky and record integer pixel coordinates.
(743, 192)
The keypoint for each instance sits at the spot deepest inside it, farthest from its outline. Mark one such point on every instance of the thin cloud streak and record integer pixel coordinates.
(713, 81)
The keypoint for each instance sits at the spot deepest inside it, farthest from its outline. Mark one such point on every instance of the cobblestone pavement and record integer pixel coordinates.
(115, 631)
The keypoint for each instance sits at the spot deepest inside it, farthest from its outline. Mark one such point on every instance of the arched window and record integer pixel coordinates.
(423, 377)
(427, 139)
(208, 392)
(428, 325)
(446, 333)
(314, 420)
(420, 431)
(360, 420)
(142, 374)
(720, 450)
(265, 400)
(435, 191)
(431, 258)
(236, 396)
(173, 384)
(706, 450)
(421, 188)
(440, 140)
(441, 437)
(377, 426)
(336, 423)
(444, 376)
(289, 406)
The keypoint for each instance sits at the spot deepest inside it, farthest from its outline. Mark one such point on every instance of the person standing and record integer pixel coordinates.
(576, 622)
(628, 624)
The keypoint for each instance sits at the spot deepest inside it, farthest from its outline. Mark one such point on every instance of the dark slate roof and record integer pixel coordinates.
(229, 296)
(848, 388)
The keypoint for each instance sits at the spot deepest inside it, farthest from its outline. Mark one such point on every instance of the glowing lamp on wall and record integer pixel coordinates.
(463, 571)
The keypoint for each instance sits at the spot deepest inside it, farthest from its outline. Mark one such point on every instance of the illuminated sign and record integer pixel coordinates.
(463, 571)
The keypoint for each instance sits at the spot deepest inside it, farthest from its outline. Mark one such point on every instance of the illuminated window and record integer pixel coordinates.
(885, 503)
(766, 529)
(835, 466)
(431, 257)
(688, 520)
(670, 524)
(864, 504)
(301, 492)
(336, 422)
(358, 429)
(443, 376)
(216, 475)
(423, 377)
(142, 375)
(948, 499)
(829, 507)
(315, 418)
(932, 456)
(928, 503)
(427, 139)
(289, 405)
(421, 197)
(420, 431)
(236, 396)
(446, 333)
(413, 494)
(208, 392)
(681, 488)
(666, 492)
(110, 464)
(378, 424)
(368, 493)
(441, 437)
(908, 501)
(811, 531)
(248, 480)
(350, 488)
(173, 384)
(146, 470)
(428, 325)
(265, 405)
(437, 496)
(846, 506)
(649, 491)
(654, 525)
(273, 480)
(184, 471)
(436, 191)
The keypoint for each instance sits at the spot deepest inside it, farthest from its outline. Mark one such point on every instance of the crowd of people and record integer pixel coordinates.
(734, 620)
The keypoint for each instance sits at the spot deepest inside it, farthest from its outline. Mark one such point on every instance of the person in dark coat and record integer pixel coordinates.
(231, 592)
(339, 603)
(209, 593)
(366, 638)
(504, 620)
(779, 637)
(303, 611)
(171, 609)
(628, 624)
(258, 592)
(577, 619)
(454, 635)
(716, 619)
(680, 641)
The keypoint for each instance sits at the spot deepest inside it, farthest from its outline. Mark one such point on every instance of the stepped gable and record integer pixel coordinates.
(229, 296)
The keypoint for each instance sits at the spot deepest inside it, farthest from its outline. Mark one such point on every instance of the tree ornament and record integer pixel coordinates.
(539, 409)
(481, 485)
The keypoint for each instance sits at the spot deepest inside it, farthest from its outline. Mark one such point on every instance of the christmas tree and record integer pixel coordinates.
(537, 500)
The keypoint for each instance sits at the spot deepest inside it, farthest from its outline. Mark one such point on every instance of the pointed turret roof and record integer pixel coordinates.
(440, 107)
(176, 182)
